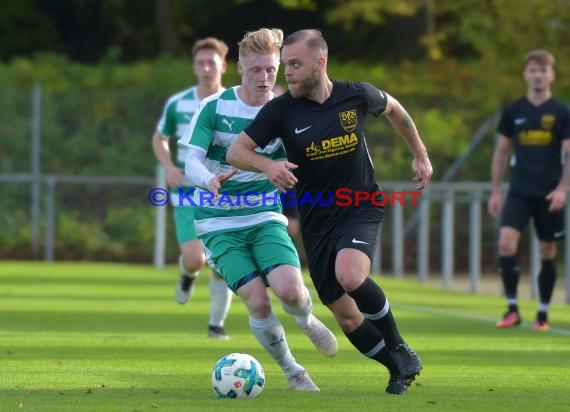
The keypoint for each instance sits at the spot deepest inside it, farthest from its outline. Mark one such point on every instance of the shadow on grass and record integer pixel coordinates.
(92, 321)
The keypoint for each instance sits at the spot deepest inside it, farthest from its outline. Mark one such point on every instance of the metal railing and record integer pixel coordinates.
(447, 196)
(443, 196)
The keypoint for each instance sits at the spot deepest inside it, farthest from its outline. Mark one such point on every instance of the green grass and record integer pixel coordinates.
(106, 337)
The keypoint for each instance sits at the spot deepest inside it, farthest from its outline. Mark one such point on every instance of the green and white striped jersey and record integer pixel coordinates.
(248, 198)
(175, 118)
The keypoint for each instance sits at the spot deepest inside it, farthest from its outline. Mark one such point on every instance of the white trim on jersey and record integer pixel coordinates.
(203, 198)
(205, 226)
(188, 106)
(367, 152)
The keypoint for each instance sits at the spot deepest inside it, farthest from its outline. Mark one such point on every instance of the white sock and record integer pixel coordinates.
(543, 307)
(220, 301)
(301, 314)
(183, 270)
(270, 333)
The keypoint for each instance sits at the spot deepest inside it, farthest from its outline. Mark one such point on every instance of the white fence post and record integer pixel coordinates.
(397, 237)
(160, 223)
(423, 237)
(49, 247)
(534, 265)
(475, 240)
(447, 246)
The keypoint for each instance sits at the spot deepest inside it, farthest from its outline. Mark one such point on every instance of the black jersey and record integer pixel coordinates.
(537, 133)
(327, 142)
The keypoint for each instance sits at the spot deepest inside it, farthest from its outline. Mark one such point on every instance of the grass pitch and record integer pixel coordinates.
(109, 337)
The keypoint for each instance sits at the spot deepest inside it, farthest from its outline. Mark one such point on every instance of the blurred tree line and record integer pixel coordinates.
(106, 68)
(372, 31)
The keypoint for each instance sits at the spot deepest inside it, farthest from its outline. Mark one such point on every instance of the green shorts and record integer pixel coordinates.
(242, 255)
(184, 223)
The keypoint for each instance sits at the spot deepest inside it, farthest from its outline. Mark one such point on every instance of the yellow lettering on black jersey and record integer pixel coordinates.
(547, 121)
(535, 137)
(334, 146)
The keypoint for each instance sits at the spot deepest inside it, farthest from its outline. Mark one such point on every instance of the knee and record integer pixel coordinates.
(259, 306)
(350, 279)
(547, 250)
(194, 259)
(291, 294)
(507, 247)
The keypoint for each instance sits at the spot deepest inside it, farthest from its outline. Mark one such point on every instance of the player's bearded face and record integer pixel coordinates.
(304, 86)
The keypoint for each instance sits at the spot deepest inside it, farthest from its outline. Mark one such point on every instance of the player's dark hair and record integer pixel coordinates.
(313, 37)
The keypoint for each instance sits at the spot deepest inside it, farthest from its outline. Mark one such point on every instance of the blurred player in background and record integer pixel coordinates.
(246, 240)
(209, 62)
(536, 128)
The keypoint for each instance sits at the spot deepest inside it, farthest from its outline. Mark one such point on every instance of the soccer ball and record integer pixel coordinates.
(238, 375)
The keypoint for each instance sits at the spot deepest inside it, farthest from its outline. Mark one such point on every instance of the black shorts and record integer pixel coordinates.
(290, 211)
(520, 208)
(358, 231)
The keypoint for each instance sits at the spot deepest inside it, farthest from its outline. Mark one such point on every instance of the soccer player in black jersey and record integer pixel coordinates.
(321, 123)
(536, 130)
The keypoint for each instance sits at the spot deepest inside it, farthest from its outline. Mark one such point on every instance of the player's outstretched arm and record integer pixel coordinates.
(403, 123)
(241, 154)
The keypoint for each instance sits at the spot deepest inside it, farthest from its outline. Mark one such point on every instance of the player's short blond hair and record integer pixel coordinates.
(211, 43)
(262, 41)
(541, 56)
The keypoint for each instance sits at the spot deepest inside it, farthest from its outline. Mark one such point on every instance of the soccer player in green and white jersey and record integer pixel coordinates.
(209, 61)
(245, 236)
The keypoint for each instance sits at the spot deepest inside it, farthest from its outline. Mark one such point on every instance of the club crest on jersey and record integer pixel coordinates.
(348, 120)
(547, 121)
